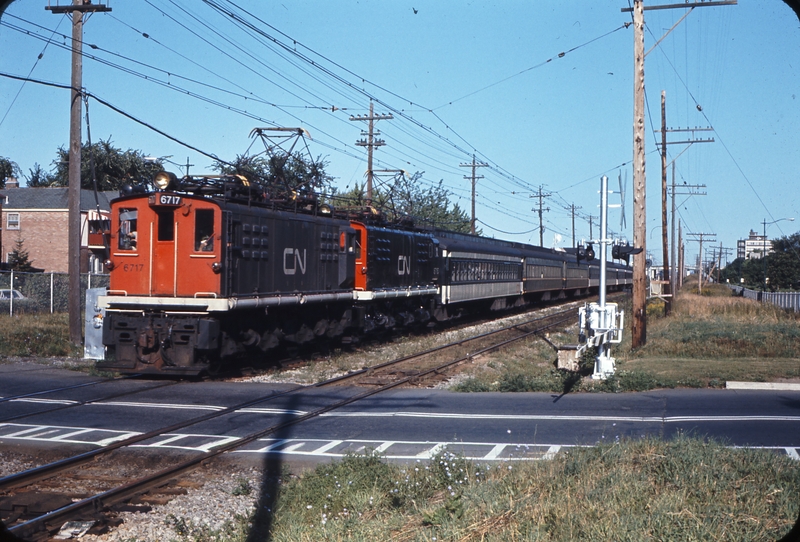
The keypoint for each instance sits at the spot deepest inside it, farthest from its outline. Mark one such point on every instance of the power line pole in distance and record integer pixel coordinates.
(370, 143)
(573, 208)
(700, 237)
(541, 195)
(77, 9)
(474, 178)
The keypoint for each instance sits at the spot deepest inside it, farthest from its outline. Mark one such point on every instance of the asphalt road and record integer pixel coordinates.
(402, 424)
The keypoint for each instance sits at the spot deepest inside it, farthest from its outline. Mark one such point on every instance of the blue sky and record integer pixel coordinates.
(459, 78)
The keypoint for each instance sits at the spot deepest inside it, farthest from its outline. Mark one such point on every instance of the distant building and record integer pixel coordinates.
(753, 247)
(40, 217)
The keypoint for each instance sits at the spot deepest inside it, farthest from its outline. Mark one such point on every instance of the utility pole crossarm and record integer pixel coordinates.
(541, 195)
(686, 5)
(475, 164)
(370, 142)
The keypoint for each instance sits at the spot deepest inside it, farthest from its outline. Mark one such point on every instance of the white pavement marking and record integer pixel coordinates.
(429, 454)
(159, 405)
(496, 451)
(322, 449)
(45, 401)
(44, 432)
(204, 443)
(214, 441)
(551, 452)
(66, 436)
(383, 447)
(558, 417)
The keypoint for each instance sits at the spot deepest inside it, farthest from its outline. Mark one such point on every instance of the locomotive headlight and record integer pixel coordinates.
(216, 267)
(108, 264)
(165, 180)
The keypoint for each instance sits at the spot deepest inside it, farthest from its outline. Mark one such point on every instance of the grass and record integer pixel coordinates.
(707, 340)
(685, 489)
(43, 335)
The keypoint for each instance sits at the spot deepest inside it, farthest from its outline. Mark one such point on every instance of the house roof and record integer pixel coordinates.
(52, 198)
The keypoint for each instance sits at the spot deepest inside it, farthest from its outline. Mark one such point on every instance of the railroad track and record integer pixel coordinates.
(412, 369)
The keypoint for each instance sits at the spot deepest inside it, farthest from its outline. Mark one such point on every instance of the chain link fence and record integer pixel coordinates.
(28, 293)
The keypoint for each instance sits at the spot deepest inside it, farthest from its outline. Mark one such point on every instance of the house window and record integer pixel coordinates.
(12, 221)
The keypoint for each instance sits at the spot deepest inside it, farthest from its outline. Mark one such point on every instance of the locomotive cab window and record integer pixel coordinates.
(166, 225)
(358, 244)
(204, 230)
(127, 229)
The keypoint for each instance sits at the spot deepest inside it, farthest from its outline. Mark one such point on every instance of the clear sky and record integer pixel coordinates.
(459, 78)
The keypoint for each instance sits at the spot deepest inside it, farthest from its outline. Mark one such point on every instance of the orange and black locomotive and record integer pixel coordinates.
(207, 269)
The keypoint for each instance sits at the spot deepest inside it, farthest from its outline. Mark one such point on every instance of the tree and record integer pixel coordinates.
(783, 263)
(18, 259)
(114, 167)
(7, 169)
(284, 176)
(406, 198)
(38, 178)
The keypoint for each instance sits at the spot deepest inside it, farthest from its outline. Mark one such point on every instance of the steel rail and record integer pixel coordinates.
(439, 348)
(74, 386)
(120, 493)
(51, 469)
(83, 403)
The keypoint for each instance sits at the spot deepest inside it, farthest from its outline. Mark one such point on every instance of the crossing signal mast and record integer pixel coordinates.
(600, 324)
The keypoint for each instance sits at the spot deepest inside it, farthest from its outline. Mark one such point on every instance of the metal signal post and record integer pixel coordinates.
(601, 324)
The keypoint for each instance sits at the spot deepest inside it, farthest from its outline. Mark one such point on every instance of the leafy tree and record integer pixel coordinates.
(783, 264)
(114, 167)
(406, 197)
(18, 259)
(37, 177)
(287, 176)
(7, 169)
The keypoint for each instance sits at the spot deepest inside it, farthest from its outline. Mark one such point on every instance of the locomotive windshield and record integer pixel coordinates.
(127, 229)
(204, 230)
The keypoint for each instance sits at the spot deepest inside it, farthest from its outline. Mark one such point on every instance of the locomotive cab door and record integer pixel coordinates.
(360, 251)
(184, 246)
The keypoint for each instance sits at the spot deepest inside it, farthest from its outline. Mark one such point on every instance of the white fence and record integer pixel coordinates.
(42, 292)
(785, 300)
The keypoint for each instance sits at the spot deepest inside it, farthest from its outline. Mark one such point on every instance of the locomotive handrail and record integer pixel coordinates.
(297, 299)
(205, 294)
(117, 292)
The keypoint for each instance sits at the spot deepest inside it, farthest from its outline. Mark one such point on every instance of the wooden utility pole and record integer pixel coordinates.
(370, 143)
(680, 258)
(664, 238)
(639, 325)
(700, 237)
(77, 9)
(541, 195)
(573, 208)
(474, 178)
(639, 320)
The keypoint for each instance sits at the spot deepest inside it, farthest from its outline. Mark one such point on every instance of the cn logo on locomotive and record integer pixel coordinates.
(403, 267)
(292, 260)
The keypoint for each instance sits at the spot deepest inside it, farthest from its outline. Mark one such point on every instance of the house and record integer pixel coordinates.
(40, 218)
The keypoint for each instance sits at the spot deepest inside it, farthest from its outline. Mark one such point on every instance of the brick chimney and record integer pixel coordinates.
(12, 182)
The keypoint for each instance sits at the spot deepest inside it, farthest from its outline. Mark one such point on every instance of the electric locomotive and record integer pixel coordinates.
(205, 269)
